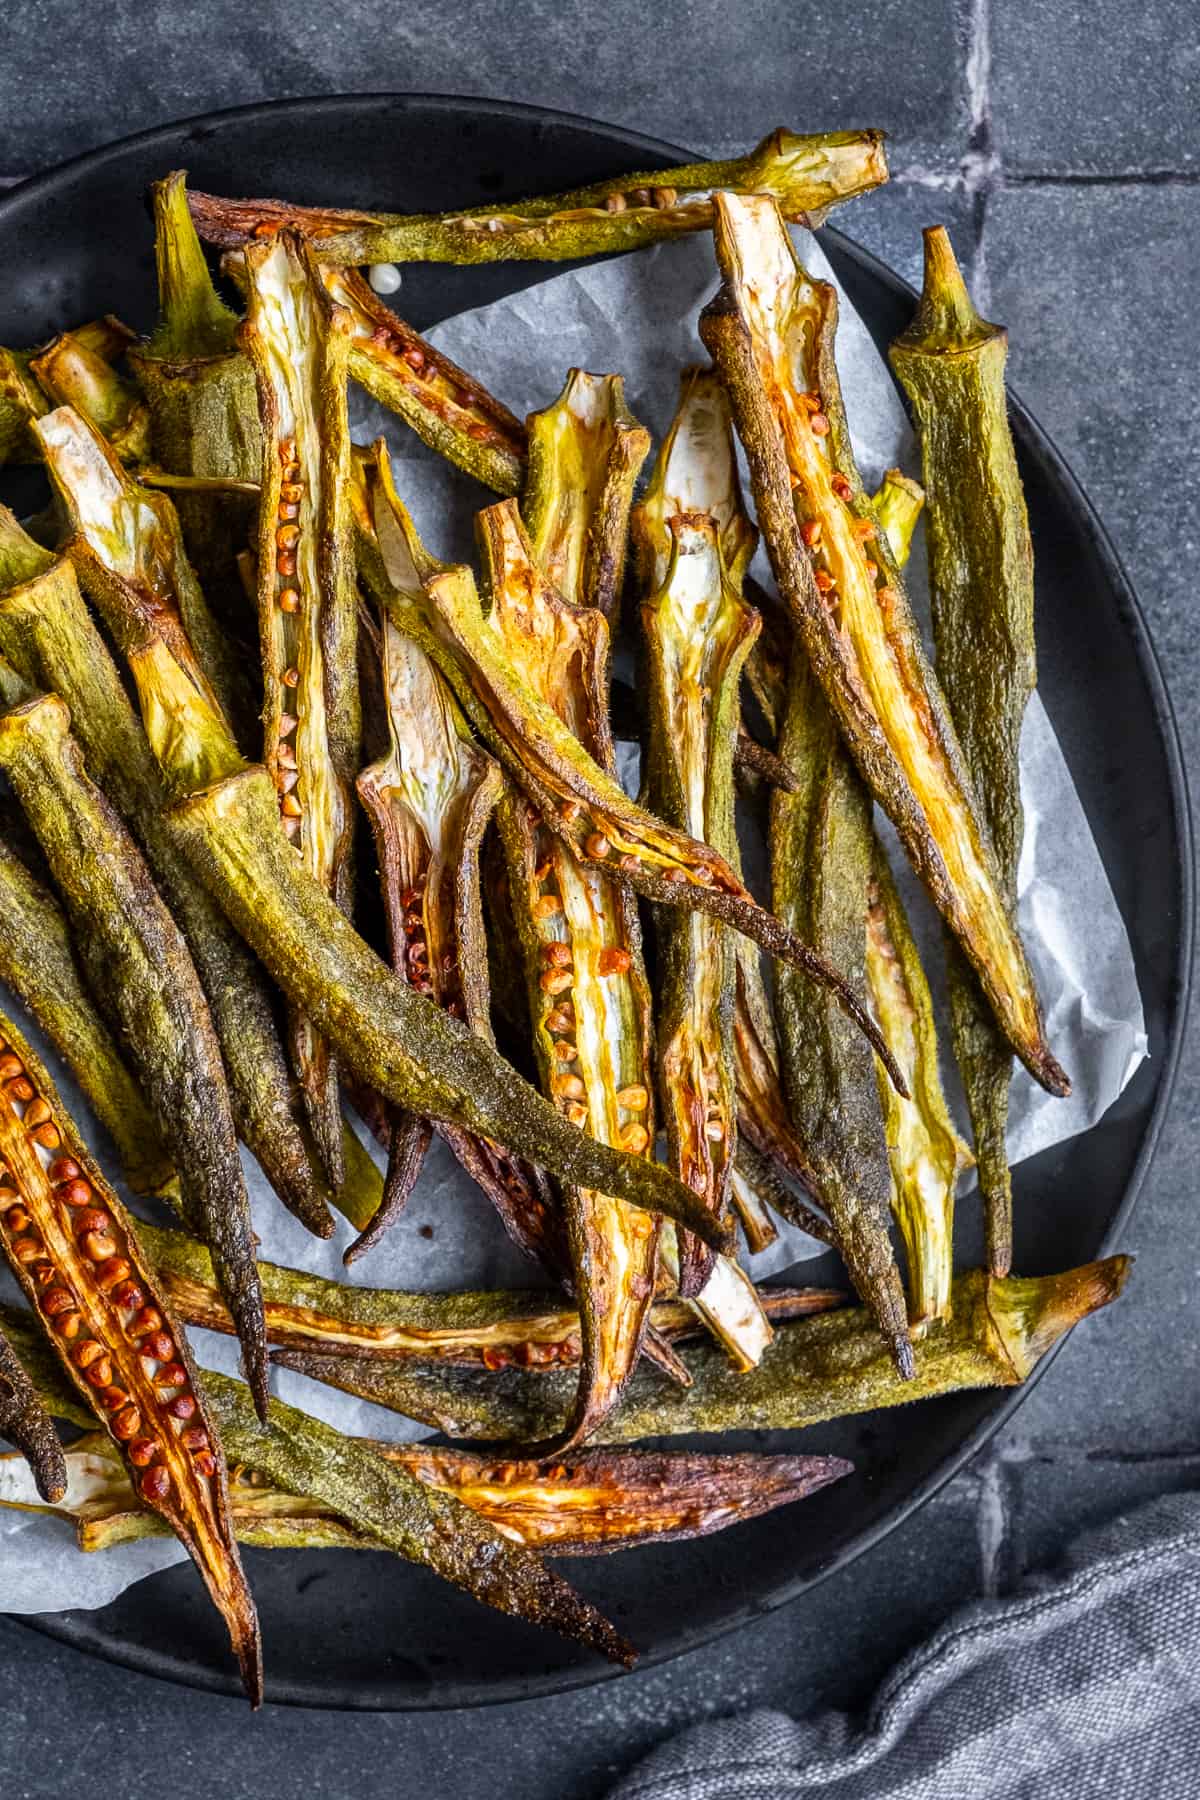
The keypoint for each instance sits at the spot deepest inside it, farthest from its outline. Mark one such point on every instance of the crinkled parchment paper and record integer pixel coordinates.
(637, 316)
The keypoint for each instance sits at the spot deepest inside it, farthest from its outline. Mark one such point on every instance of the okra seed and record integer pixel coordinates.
(127, 1424)
(155, 1484)
(664, 197)
(288, 536)
(85, 1354)
(291, 490)
(577, 1113)
(48, 1136)
(414, 356)
(872, 569)
(97, 1247)
(100, 1373)
(142, 1452)
(36, 1113)
(565, 1051)
(287, 450)
(819, 424)
(21, 1090)
(714, 1131)
(569, 1087)
(630, 863)
(68, 1325)
(639, 196)
(182, 1407)
(10, 1066)
(27, 1249)
(75, 1192)
(285, 563)
(635, 1098)
(205, 1464)
(171, 1375)
(557, 955)
(159, 1347)
(597, 845)
(824, 580)
(57, 1300)
(555, 981)
(546, 906)
(561, 1019)
(569, 811)
(614, 961)
(288, 509)
(63, 1170)
(149, 1319)
(291, 678)
(110, 1274)
(290, 806)
(289, 600)
(674, 875)
(810, 531)
(292, 828)
(634, 1138)
(287, 724)
(113, 1399)
(285, 756)
(615, 203)
(194, 1438)
(16, 1218)
(841, 487)
(91, 1218)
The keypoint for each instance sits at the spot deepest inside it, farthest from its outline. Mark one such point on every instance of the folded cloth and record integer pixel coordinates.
(1085, 1683)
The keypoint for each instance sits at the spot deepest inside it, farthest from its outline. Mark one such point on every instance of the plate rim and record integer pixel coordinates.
(66, 1627)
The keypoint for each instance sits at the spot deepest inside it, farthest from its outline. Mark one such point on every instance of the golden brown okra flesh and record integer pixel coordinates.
(73, 1248)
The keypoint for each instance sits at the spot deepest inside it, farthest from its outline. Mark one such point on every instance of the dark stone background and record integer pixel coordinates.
(1060, 145)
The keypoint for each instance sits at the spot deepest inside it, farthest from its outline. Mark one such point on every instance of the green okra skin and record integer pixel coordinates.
(297, 339)
(821, 842)
(950, 363)
(770, 331)
(585, 454)
(925, 1152)
(138, 962)
(21, 402)
(577, 799)
(898, 503)
(200, 393)
(39, 965)
(807, 174)
(46, 630)
(447, 408)
(597, 1502)
(25, 1422)
(694, 543)
(827, 1367)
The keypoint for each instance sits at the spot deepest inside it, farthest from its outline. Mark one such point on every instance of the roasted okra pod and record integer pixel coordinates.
(297, 339)
(950, 363)
(806, 174)
(815, 1369)
(72, 1247)
(771, 331)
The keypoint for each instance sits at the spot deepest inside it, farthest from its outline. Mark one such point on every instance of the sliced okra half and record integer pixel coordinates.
(815, 1369)
(591, 1503)
(806, 174)
(74, 1251)
(297, 340)
(950, 363)
(771, 331)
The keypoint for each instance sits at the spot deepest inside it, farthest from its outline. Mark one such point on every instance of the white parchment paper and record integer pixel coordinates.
(637, 316)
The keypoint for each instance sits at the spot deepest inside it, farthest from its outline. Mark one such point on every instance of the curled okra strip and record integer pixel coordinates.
(950, 363)
(590, 1504)
(815, 1369)
(73, 373)
(577, 799)
(46, 630)
(297, 339)
(770, 331)
(38, 964)
(226, 821)
(138, 962)
(73, 1248)
(83, 358)
(925, 1153)
(807, 175)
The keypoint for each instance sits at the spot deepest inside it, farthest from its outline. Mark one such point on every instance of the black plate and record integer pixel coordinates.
(366, 1631)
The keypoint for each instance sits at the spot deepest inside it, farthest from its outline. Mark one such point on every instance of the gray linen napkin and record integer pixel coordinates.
(1085, 1683)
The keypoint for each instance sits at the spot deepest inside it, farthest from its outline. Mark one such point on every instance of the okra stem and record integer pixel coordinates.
(807, 175)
